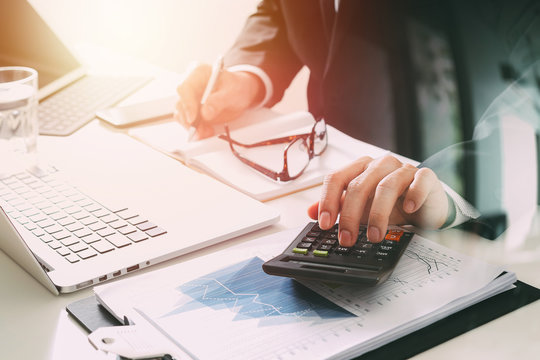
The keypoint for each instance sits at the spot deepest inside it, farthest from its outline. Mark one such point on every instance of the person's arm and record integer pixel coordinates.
(259, 67)
(263, 43)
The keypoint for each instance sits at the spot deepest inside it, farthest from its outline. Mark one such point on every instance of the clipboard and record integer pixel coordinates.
(91, 316)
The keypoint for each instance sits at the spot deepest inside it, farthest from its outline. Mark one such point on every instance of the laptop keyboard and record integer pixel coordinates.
(72, 224)
(70, 108)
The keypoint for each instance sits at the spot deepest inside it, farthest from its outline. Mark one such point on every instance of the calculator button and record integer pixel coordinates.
(304, 245)
(394, 235)
(389, 243)
(309, 239)
(359, 252)
(325, 247)
(342, 250)
(330, 235)
(313, 233)
(364, 245)
(300, 251)
(329, 242)
(321, 253)
(362, 239)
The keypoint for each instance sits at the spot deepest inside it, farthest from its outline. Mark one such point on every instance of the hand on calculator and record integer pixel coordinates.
(379, 192)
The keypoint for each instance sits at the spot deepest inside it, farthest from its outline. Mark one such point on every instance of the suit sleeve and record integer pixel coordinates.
(263, 43)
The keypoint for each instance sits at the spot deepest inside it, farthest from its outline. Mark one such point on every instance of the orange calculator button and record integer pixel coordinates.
(394, 235)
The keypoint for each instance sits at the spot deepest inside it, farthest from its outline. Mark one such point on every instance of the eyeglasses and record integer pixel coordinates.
(297, 154)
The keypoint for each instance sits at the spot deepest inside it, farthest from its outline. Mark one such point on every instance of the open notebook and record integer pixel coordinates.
(213, 155)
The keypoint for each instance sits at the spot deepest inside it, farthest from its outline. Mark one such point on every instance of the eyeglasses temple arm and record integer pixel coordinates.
(282, 140)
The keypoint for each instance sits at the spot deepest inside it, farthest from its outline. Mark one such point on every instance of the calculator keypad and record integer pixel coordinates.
(317, 243)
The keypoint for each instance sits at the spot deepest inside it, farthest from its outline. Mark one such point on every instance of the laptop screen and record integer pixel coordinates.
(28, 41)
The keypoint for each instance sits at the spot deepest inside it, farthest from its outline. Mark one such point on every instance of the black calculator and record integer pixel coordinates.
(315, 254)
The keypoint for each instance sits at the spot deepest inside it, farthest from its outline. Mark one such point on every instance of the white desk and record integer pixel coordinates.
(35, 325)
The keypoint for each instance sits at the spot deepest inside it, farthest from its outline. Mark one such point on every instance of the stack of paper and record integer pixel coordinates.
(223, 306)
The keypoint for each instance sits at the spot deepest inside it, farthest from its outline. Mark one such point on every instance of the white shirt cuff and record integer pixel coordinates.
(464, 210)
(261, 74)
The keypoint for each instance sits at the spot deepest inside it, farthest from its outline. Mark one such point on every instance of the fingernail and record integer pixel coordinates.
(345, 238)
(324, 220)
(409, 206)
(373, 234)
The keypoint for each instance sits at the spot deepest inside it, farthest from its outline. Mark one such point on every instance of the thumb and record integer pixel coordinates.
(313, 211)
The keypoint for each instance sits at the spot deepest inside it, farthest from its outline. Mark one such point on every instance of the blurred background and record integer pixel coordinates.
(168, 33)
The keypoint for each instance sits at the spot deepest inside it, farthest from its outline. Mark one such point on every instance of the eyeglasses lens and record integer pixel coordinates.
(320, 140)
(297, 157)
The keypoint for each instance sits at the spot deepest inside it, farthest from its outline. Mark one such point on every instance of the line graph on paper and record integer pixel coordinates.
(422, 264)
(245, 290)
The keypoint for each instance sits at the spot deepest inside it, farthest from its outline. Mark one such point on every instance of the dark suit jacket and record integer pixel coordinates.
(345, 53)
(360, 75)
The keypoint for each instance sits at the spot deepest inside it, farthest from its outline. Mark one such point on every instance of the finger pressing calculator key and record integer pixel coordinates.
(316, 254)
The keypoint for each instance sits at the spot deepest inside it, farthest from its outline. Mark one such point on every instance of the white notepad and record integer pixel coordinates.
(214, 157)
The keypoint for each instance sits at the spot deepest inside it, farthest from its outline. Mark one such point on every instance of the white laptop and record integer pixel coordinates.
(28, 41)
(97, 237)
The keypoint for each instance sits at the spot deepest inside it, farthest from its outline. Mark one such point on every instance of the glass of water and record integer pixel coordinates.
(18, 117)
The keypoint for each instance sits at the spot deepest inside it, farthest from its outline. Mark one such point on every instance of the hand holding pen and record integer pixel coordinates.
(216, 70)
(204, 102)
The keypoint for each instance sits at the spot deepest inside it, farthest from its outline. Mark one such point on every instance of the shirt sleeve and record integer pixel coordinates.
(461, 210)
(262, 75)
(263, 43)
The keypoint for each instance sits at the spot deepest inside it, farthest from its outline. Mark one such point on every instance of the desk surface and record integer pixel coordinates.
(35, 325)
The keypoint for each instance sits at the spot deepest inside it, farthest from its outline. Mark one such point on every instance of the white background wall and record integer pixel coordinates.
(167, 33)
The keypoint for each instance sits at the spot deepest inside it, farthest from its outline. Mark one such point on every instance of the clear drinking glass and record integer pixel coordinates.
(18, 117)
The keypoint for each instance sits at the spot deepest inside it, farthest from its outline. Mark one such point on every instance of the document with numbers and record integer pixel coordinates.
(213, 308)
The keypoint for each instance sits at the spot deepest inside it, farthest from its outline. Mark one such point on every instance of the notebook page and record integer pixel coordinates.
(171, 137)
(341, 151)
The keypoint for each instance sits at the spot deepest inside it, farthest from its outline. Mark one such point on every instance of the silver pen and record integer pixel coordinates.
(217, 67)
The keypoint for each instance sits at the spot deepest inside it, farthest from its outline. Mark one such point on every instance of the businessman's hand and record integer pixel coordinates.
(379, 192)
(234, 93)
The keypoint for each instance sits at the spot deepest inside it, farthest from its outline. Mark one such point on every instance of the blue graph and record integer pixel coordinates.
(247, 291)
